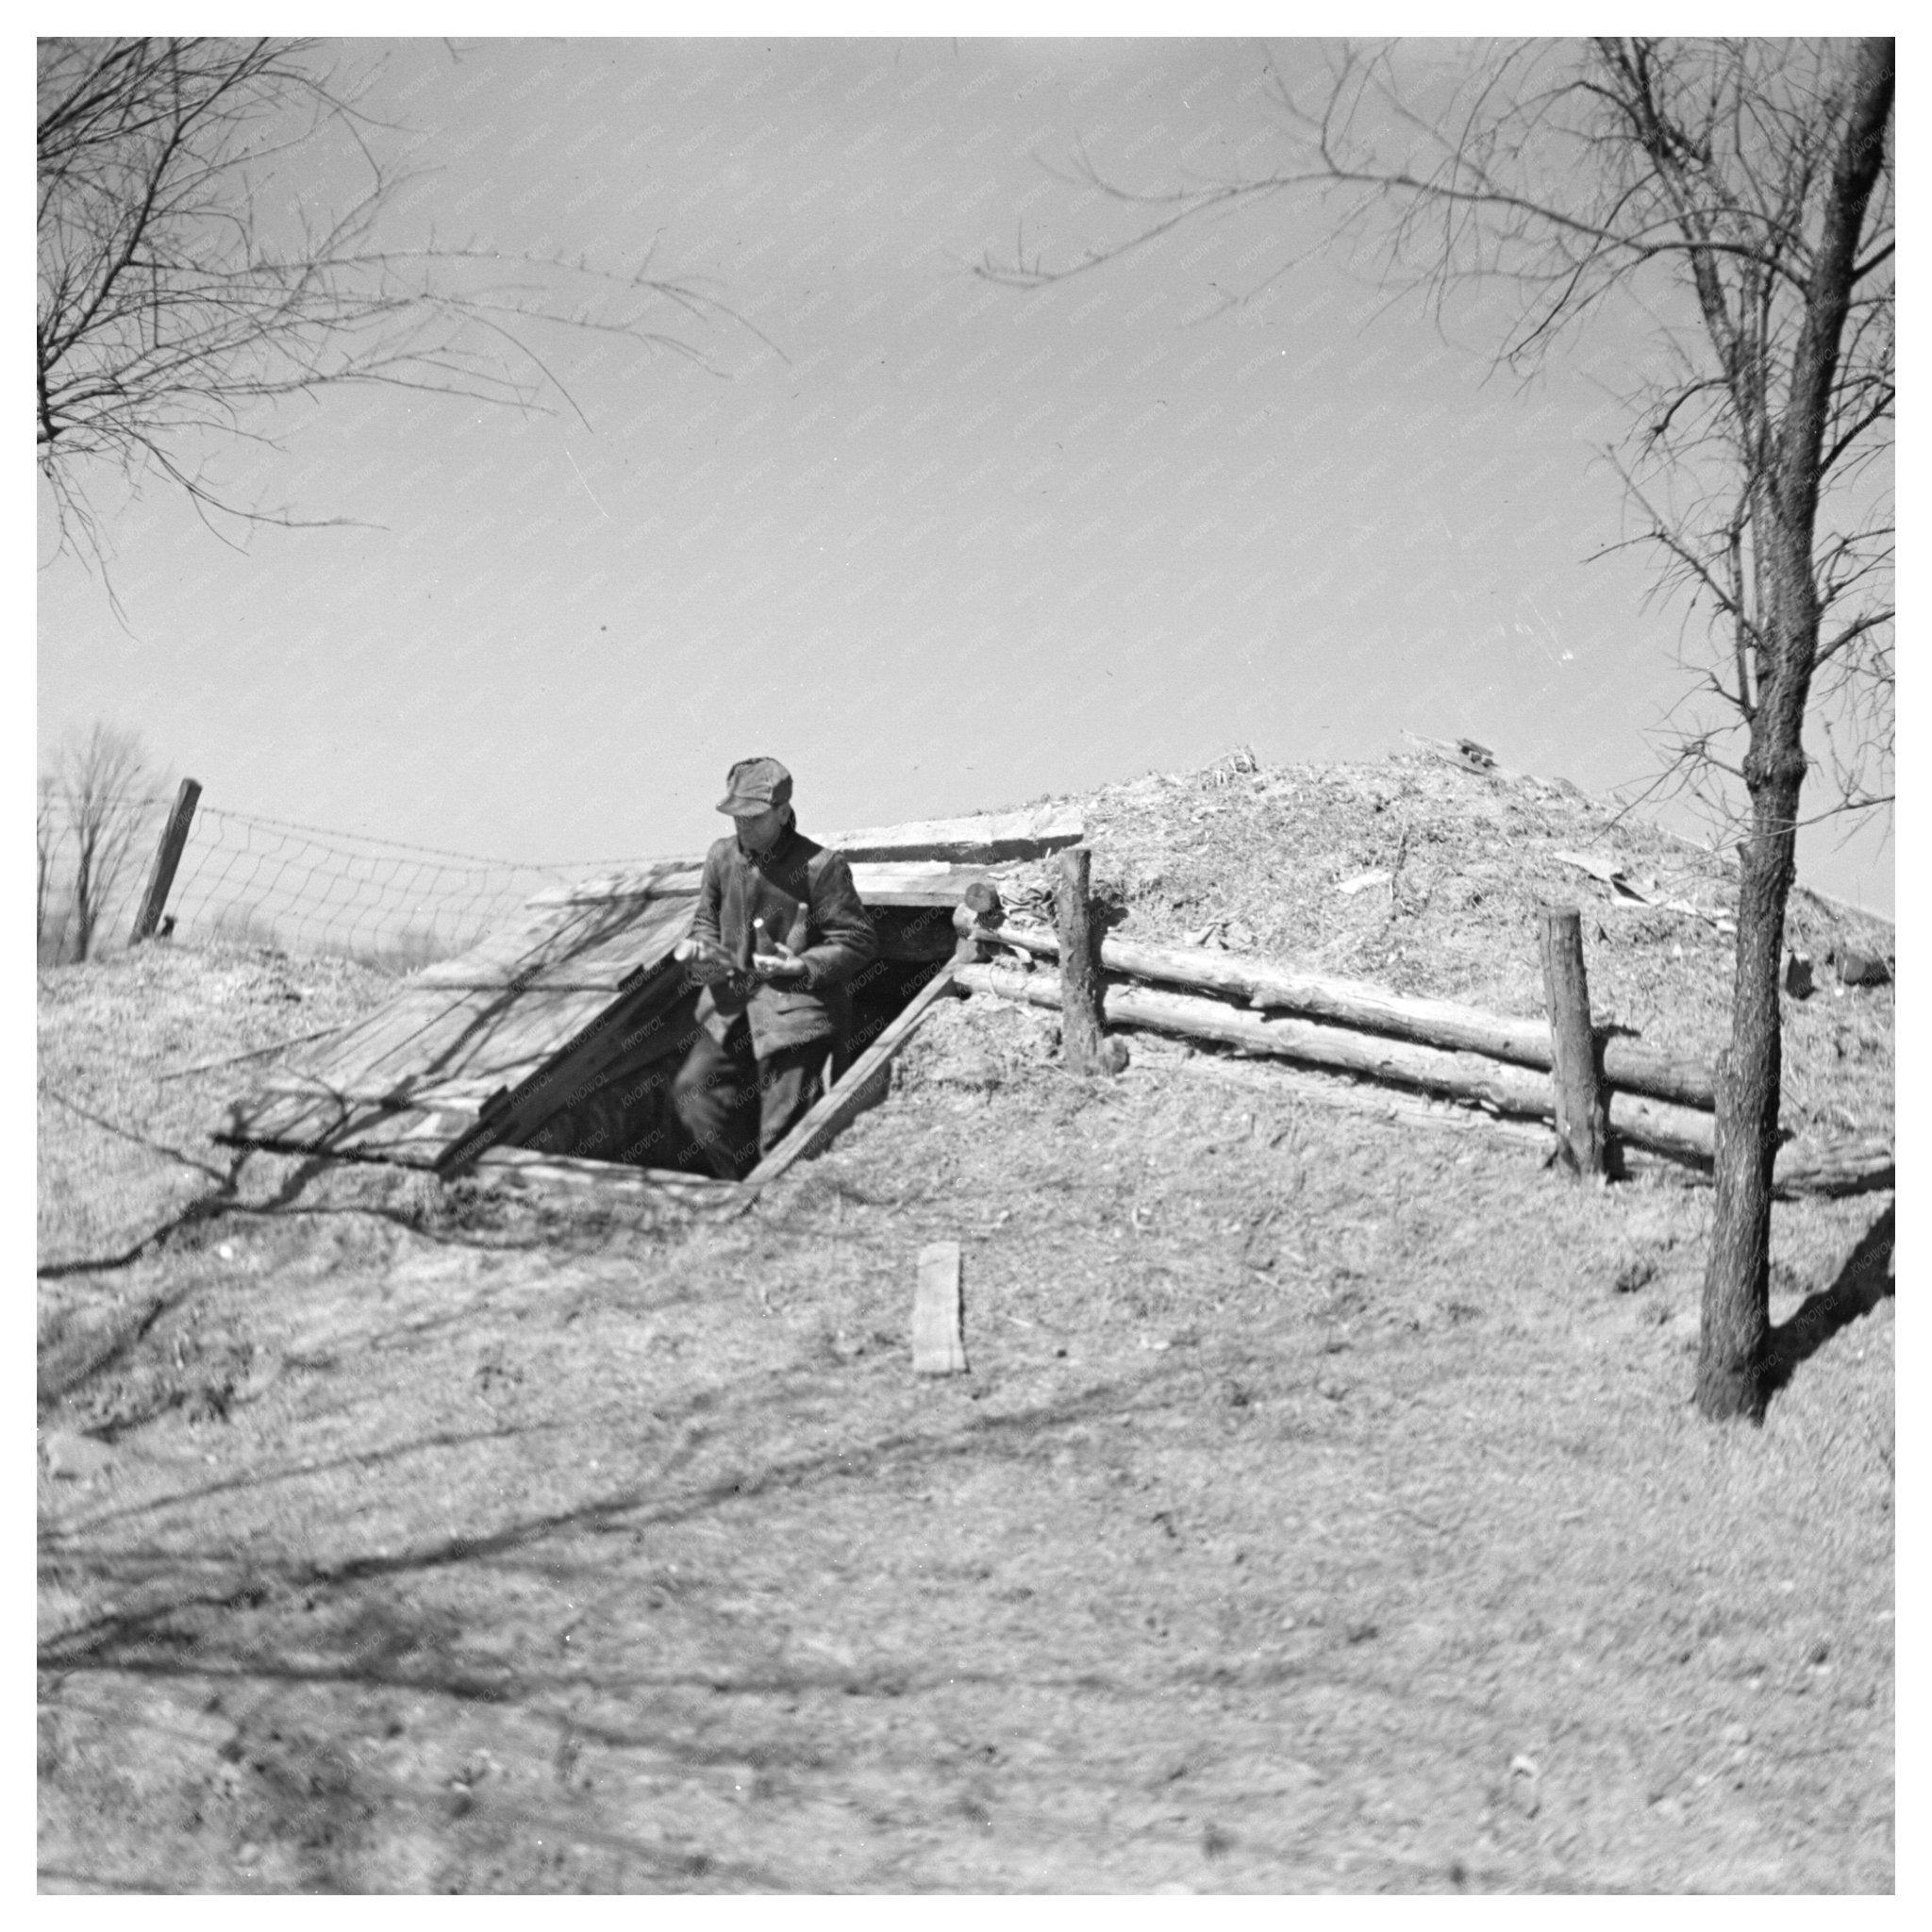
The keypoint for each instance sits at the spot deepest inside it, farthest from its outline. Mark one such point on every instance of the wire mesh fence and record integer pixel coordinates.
(249, 881)
(259, 881)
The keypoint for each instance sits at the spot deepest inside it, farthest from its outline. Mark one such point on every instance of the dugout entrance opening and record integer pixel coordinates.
(548, 1050)
(611, 1101)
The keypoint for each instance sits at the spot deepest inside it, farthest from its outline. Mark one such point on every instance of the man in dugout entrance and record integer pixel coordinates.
(778, 931)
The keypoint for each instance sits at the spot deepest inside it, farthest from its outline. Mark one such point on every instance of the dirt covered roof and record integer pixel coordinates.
(1426, 876)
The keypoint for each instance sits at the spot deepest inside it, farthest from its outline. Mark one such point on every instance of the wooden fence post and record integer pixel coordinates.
(161, 876)
(1083, 1036)
(1582, 1125)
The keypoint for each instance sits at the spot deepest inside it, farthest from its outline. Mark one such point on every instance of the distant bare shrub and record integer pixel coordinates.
(90, 815)
(244, 925)
(415, 947)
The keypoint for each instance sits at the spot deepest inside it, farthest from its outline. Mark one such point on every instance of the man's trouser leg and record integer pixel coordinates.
(717, 1097)
(789, 1084)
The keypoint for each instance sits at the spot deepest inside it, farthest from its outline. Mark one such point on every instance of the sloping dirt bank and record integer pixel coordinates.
(1325, 1509)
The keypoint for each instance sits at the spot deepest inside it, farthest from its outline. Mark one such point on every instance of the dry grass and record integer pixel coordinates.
(1323, 1509)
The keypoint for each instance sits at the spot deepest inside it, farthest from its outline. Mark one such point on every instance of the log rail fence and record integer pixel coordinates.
(1599, 1090)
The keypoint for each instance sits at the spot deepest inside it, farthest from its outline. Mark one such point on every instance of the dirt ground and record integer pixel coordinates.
(1324, 1511)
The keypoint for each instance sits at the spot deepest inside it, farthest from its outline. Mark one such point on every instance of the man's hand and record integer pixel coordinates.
(781, 963)
(708, 964)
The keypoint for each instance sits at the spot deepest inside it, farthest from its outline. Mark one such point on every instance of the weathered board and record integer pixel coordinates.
(415, 1077)
(895, 882)
(439, 1050)
(984, 839)
(521, 1168)
(586, 1097)
(588, 945)
(938, 1345)
(670, 878)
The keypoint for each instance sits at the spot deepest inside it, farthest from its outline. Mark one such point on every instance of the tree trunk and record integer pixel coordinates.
(1783, 504)
(1736, 1313)
(84, 898)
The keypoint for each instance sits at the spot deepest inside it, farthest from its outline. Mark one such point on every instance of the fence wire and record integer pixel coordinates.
(259, 881)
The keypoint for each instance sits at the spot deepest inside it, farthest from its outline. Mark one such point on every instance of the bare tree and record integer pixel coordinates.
(1742, 191)
(103, 795)
(183, 285)
(48, 933)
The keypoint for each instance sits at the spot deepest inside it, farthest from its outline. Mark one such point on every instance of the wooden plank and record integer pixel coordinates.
(433, 1053)
(453, 1044)
(938, 1347)
(1271, 986)
(921, 885)
(604, 982)
(981, 840)
(572, 1064)
(253, 1053)
(469, 1093)
(1477, 758)
(848, 1095)
(591, 946)
(605, 968)
(403, 1033)
(653, 879)
(532, 937)
(894, 882)
(160, 877)
(436, 1035)
(524, 1168)
(409, 1136)
(265, 1117)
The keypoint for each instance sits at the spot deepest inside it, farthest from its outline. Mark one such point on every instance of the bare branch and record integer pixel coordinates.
(176, 298)
(1740, 192)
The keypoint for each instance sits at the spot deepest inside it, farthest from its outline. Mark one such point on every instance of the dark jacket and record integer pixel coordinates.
(807, 899)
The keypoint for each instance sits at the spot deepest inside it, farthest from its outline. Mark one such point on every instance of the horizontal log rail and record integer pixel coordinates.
(1682, 1133)
(1861, 1165)
(1268, 987)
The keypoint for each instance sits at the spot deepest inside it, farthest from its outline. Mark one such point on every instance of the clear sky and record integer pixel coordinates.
(940, 546)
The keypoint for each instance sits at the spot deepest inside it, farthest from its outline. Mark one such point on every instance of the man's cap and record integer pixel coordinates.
(755, 784)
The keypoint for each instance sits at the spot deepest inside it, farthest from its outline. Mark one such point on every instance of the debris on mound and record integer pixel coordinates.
(1426, 875)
